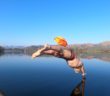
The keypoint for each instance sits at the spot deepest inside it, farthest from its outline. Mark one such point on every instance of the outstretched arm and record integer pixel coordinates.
(56, 51)
(49, 50)
(39, 52)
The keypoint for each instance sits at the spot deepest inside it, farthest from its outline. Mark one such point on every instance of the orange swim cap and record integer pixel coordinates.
(61, 41)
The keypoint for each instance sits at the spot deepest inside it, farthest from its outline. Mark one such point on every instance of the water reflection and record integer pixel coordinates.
(101, 56)
(2, 93)
(79, 89)
(1, 54)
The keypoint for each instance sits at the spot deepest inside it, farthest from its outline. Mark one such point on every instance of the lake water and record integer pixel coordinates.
(50, 76)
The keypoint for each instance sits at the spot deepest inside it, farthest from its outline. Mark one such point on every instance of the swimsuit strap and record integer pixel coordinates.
(72, 55)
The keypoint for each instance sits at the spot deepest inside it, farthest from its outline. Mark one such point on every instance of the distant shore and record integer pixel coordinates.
(88, 48)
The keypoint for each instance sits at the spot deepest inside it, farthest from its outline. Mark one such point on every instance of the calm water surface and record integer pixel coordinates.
(50, 76)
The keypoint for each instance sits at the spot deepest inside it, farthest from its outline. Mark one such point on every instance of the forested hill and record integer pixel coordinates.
(103, 47)
(1, 49)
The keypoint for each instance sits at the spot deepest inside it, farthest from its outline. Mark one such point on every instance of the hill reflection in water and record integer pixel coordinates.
(100, 56)
(103, 57)
(49, 76)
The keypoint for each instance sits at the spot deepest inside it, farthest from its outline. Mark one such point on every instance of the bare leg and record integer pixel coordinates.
(83, 71)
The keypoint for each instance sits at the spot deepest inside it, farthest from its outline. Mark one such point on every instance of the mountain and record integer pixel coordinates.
(31, 49)
(80, 48)
(106, 43)
(89, 47)
(1, 49)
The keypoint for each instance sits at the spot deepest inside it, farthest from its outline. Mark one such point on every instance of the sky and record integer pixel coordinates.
(34, 22)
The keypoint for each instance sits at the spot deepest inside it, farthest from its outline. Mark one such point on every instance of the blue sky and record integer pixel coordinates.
(34, 22)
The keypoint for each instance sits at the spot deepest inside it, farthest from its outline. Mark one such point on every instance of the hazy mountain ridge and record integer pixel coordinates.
(106, 43)
(88, 50)
(1, 50)
(103, 44)
(88, 47)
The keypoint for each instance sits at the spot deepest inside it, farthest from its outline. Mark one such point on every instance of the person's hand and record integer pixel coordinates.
(46, 46)
(35, 54)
